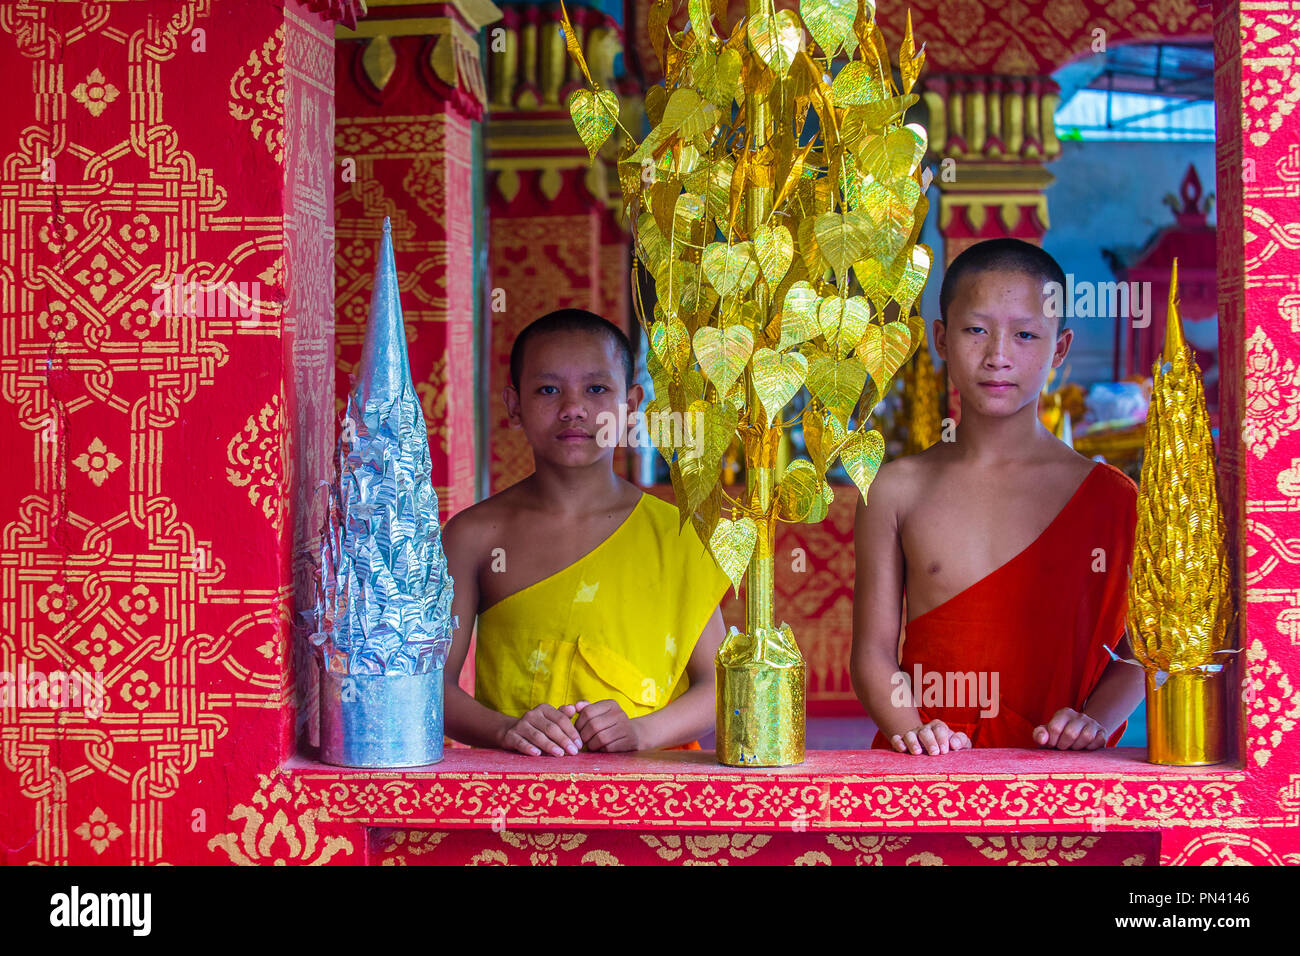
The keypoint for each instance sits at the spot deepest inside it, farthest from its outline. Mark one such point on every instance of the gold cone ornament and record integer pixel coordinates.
(778, 259)
(1179, 601)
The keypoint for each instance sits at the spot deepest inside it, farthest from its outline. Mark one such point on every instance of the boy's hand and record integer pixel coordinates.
(935, 737)
(544, 728)
(604, 727)
(1070, 730)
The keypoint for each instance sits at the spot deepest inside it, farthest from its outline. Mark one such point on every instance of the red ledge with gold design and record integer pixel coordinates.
(984, 806)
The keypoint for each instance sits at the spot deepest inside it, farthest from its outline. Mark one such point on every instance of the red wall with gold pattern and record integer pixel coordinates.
(163, 467)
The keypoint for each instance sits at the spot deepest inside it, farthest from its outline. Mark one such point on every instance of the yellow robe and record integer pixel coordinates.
(619, 623)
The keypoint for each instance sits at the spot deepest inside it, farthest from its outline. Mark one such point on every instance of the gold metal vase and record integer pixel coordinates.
(1186, 718)
(761, 676)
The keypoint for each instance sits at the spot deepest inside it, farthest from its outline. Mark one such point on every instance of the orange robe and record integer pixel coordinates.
(1039, 622)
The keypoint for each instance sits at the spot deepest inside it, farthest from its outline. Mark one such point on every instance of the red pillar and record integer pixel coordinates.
(556, 241)
(410, 91)
(155, 518)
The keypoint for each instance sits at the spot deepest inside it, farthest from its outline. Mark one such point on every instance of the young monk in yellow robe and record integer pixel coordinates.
(598, 617)
(1008, 550)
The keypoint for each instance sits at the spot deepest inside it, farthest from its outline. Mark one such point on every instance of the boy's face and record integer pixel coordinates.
(999, 342)
(571, 383)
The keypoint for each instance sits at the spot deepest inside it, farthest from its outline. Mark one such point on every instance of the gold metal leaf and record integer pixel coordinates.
(915, 273)
(802, 494)
(776, 40)
(701, 17)
(723, 353)
(837, 383)
(823, 434)
(657, 28)
(799, 315)
(777, 378)
(894, 156)
(910, 61)
(705, 517)
(656, 98)
(831, 24)
(672, 346)
(717, 75)
(711, 427)
(732, 544)
(571, 43)
(875, 115)
(594, 115)
(884, 350)
(688, 220)
(651, 242)
(730, 269)
(861, 456)
(774, 247)
(842, 238)
(857, 85)
(843, 321)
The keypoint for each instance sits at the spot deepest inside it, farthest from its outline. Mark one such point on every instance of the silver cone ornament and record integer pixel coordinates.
(383, 601)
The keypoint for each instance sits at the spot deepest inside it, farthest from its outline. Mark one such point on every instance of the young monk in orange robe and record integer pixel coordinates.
(1006, 549)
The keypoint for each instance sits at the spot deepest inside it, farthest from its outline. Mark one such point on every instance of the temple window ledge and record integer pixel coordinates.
(834, 790)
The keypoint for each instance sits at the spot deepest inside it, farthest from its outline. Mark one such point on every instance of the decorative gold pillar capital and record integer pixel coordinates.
(532, 148)
(441, 52)
(992, 136)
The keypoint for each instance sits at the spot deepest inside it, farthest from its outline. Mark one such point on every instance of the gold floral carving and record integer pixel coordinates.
(1272, 703)
(397, 845)
(1270, 54)
(433, 402)
(99, 831)
(258, 461)
(97, 462)
(280, 828)
(544, 847)
(95, 93)
(1272, 395)
(257, 94)
(868, 850)
(1033, 849)
(1230, 849)
(709, 849)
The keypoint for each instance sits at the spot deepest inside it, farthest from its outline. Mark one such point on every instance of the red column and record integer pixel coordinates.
(163, 446)
(410, 90)
(556, 239)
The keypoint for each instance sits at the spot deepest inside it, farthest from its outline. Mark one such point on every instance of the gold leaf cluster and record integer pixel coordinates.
(778, 210)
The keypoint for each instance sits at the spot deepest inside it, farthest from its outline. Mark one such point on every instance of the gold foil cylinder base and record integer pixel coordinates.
(761, 683)
(1186, 719)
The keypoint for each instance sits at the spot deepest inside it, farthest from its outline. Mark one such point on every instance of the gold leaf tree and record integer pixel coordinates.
(785, 257)
(1179, 600)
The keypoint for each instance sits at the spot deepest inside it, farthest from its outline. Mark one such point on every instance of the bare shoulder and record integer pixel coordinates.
(893, 487)
(472, 532)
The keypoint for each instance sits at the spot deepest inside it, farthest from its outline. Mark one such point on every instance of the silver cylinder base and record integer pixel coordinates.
(381, 720)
